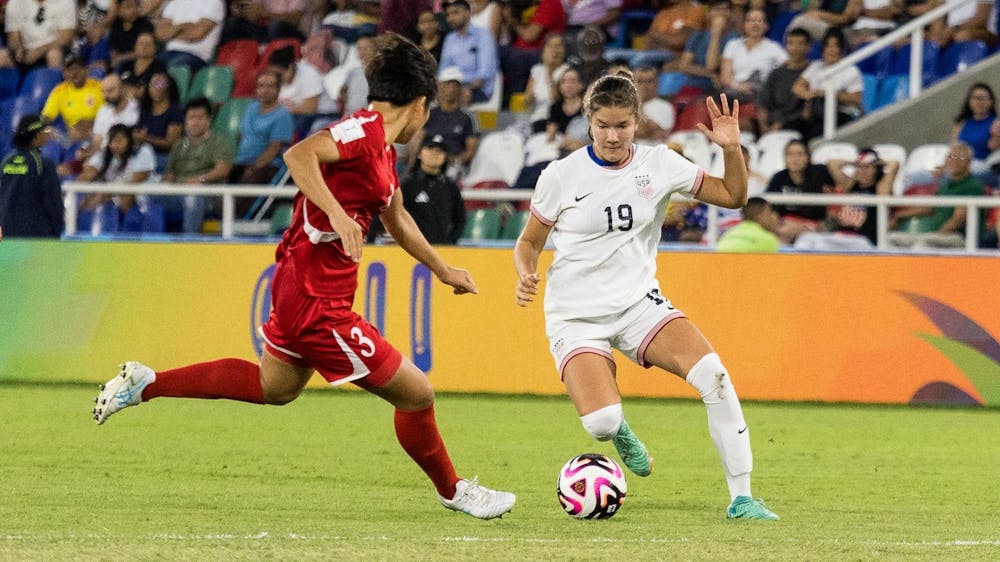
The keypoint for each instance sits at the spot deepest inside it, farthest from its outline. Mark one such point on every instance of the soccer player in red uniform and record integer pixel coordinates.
(346, 175)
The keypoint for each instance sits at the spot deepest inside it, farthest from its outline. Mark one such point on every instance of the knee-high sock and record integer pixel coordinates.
(418, 433)
(234, 379)
(725, 421)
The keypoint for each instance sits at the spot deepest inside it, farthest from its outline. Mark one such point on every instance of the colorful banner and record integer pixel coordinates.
(885, 329)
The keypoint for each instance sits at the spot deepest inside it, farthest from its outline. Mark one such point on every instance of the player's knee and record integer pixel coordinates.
(603, 424)
(280, 397)
(710, 378)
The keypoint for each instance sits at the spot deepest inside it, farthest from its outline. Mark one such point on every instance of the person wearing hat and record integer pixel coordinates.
(76, 99)
(432, 198)
(450, 120)
(470, 49)
(31, 203)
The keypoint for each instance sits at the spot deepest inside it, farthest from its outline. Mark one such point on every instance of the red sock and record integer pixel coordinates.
(234, 379)
(418, 434)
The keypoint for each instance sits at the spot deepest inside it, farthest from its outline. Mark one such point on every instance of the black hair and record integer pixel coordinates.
(400, 71)
(803, 144)
(755, 207)
(612, 90)
(879, 164)
(283, 57)
(199, 102)
(838, 34)
(967, 110)
(799, 32)
(173, 94)
(109, 157)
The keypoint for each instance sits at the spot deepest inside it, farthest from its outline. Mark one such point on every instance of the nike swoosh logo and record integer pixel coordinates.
(742, 430)
(582, 197)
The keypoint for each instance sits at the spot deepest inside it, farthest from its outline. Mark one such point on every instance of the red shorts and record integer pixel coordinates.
(323, 334)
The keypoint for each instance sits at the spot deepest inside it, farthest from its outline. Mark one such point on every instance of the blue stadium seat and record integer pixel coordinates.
(929, 68)
(10, 79)
(102, 220)
(869, 95)
(779, 23)
(100, 52)
(893, 88)
(878, 64)
(39, 82)
(630, 24)
(959, 56)
(816, 51)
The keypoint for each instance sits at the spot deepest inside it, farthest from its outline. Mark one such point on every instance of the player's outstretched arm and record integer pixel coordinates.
(404, 230)
(731, 190)
(303, 160)
(526, 251)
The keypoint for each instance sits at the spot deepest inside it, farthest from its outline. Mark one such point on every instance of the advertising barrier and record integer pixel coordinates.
(882, 329)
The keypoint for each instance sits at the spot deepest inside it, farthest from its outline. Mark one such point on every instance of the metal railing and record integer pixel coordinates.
(915, 29)
(882, 203)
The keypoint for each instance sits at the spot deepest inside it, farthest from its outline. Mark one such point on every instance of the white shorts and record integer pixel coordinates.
(629, 332)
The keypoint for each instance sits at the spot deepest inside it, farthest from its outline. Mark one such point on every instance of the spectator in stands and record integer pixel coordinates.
(590, 57)
(487, 14)
(974, 21)
(848, 85)
(264, 20)
(450, 120)
(603, 15)
(669, 31)
(401, 15)
(940, 226)
(118, 108)
(429, 34)
(31, 200)
(470, 49)
(266, 130)
(201, 156)
(432, 198)
(823, 15)
(346, 84)
(877, 17)
(143, 65)
(541, 88)
(658, 114)
(800, 176)
(567, 106)
(161, 118)
(749, 60)
(122, 160)
(528, 28)
(978, 125)
(699, 64)
(123, 37)
(301, 88)
(191, 29)
(755, 233)
(872, 176)
(357, 18)
(76, 99)
(775, 108)
(39, 33)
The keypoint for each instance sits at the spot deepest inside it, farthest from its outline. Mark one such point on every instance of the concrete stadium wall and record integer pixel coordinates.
(884, 329)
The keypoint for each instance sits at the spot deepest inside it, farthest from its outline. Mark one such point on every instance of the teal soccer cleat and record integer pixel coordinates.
(745, 507)
(632, 451)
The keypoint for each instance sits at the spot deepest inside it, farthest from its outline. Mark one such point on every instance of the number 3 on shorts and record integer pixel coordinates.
(367, 345)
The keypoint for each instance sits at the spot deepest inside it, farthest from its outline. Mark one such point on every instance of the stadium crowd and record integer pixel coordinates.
(205, 91)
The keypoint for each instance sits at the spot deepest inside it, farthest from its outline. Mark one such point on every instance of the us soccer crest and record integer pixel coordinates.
(644, 185)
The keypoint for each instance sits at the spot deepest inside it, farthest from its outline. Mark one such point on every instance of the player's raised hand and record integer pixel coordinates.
(350, 233)
(460, 280)
(527, 288)
(725, 129)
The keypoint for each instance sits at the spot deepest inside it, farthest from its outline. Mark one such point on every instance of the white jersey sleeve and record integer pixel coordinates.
(545, 201)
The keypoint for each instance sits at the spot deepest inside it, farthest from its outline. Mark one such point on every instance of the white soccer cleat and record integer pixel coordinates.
(479, 501)
(122, 391)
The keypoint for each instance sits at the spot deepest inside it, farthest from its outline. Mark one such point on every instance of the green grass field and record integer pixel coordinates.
(324, 479)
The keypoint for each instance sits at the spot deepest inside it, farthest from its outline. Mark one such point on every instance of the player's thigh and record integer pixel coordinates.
(281, 382)
(408, 389)
(590, 382)
(677, 347)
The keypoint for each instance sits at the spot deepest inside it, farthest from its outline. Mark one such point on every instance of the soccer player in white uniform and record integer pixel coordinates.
(603, 206)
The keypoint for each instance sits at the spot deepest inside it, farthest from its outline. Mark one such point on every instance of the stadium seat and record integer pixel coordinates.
(281, 219)
(771, 151)
(923, 160)
(929, 67)
(892, 88)
(100, 52)
(878, 64)
(695, 147)
(500, 157)
(227, 120)
(473, 204)
(514, 225)
(869, 93)
(492, 104)
(692, 114)
(718, 164)
(889, 152)
(182, 78)
(961, 55)
(273, 46)
(630, 24)
(10, 80)
(241, 56)
(214, 82)
(482, 224)
(834, 151)
(779, 23)
(39, 82)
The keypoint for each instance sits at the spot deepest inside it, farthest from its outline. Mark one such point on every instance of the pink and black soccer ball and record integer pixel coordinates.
(591, 486)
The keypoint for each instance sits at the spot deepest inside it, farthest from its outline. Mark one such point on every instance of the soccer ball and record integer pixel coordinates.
(591, 486)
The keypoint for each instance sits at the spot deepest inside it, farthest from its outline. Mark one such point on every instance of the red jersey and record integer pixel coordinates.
(363, 182)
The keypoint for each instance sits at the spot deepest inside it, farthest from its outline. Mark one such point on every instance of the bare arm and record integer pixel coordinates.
(404, 230)
(730, 191)
(269, 154)
(836, 169)
(528, 247)
(193, 32)
(884, 185)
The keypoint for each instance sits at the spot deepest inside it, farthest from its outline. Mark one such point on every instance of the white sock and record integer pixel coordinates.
(725, 421)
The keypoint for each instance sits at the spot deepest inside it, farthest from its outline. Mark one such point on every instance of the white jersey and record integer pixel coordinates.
(606, 227)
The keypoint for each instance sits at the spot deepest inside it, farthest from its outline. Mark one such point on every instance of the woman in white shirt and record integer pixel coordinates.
(541, 89)
(603, 206)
